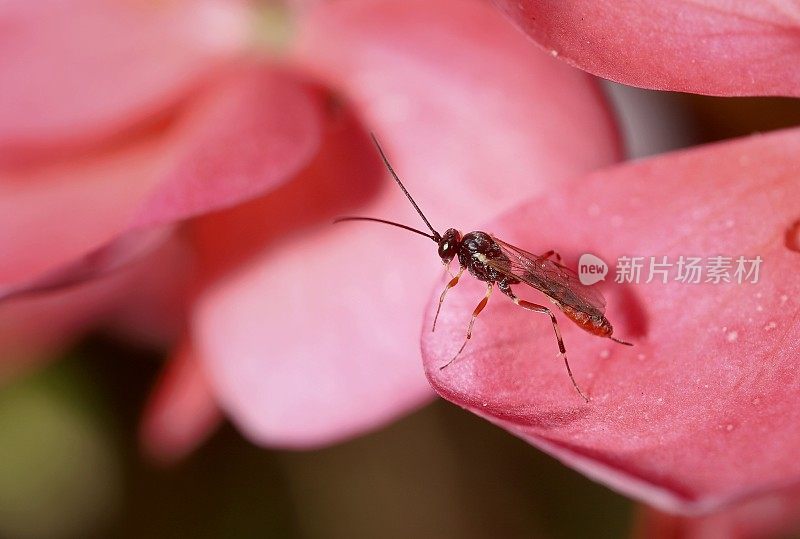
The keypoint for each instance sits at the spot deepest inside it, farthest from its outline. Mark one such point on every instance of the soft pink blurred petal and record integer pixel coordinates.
(77, 70)
(701, 412)
(249, 135)
(457, 67)
(33, 328)
(773, 515)
(154, 310)
(317, 339)
(714, 47)
(246, 135)
(105, 259)
(181, 412)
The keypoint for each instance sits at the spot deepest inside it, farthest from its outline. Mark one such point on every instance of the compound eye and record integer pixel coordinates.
(449, 245)
(446, 250)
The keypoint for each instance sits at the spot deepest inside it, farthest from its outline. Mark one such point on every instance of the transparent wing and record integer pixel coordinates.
(557, 281)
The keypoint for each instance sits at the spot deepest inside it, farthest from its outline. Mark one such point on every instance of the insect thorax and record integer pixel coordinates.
(475, 249)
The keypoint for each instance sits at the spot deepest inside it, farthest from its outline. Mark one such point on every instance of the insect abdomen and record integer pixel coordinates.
(594, 324)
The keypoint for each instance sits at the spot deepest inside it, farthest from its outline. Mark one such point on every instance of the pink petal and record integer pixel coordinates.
(244, 136)
(78, 70)
(701, 411)
(713, 47)
(315, 339)
(386, 57)
(182, 412)
(33, 328)
(105, 259)
(774, 515)
(154, 310)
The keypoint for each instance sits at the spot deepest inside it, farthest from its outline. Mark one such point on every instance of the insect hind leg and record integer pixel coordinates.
(551, 253)
(527, 305)
(475, 314)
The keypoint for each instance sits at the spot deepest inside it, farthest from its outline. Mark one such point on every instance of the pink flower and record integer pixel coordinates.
(155, 151)
(712, 47)
(771, 515)
(701, 412)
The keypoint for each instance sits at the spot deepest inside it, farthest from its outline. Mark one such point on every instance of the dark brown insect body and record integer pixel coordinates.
(475, 250)
(501, 264)
(481, 255)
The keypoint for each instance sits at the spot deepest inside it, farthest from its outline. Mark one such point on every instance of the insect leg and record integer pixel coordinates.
(450, 284)
(552, 253)
(544, 310)
(475, 314)
(447, 269)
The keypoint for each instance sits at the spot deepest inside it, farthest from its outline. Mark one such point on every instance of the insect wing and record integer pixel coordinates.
(554, 279)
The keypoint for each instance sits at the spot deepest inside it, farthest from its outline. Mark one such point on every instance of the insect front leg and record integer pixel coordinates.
(447, 268)
(475, 314)
(527, 305)
(450, 284)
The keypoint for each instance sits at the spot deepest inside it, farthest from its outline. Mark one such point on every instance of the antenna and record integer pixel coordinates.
(420, 232)
(436, 236)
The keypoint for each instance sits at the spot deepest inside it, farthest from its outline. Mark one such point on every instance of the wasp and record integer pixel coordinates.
(502, 265)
